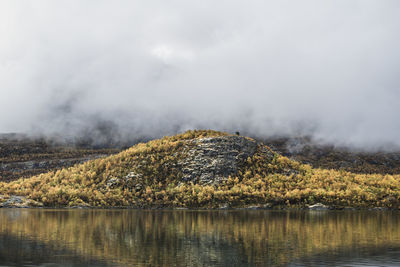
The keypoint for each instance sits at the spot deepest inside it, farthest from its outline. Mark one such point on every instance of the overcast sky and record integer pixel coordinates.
(326, 68)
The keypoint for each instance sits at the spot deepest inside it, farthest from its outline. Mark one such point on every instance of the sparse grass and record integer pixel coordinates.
(338, 158)
(157, 184)
(23, 158)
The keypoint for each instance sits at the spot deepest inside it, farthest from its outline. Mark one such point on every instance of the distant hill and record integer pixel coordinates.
(205, 169)
(305, 150)
(22, 156)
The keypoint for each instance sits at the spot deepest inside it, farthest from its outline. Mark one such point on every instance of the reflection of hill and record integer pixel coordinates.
(203, 237)
(373, 255)
(17, 250)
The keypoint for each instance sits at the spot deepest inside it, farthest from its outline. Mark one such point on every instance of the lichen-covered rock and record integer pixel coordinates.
(113, 182)
(214, 159)
(133, 181)
(318, 206)
(19, 202)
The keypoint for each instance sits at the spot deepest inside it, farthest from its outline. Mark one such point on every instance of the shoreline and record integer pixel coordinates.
(316, 207)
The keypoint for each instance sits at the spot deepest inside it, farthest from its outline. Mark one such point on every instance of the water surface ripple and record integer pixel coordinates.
(44, 237)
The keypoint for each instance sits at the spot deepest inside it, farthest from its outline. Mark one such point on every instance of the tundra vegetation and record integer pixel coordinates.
(147, 175)
(23, 157)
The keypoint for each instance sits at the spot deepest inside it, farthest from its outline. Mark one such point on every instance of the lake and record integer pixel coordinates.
(87, 237)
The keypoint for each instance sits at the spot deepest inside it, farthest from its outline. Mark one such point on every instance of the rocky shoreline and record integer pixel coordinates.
(23, 202)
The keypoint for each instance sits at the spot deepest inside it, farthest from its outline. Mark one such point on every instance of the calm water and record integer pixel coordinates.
(39, 237)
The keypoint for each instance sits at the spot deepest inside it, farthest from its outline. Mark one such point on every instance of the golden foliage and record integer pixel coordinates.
(279, 181)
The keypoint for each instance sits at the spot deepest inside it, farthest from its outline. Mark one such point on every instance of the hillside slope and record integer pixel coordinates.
(328, 156)
(205, 169)
(23, 157)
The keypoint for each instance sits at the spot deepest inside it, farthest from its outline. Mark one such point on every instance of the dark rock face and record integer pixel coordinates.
(213, 159)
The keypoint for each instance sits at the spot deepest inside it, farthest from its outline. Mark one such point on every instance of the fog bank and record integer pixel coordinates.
(122, 69)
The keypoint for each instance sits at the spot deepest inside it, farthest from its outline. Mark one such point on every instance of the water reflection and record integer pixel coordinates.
(197, 238)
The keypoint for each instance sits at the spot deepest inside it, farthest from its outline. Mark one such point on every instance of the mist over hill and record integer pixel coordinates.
(122, 70)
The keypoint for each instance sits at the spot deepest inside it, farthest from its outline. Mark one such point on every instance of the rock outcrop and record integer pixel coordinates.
(18, 202)
(318, 206)
(214, 159)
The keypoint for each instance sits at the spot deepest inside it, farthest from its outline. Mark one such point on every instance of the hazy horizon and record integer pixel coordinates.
(329, 69)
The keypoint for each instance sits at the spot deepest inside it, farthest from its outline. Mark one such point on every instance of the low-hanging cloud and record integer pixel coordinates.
(149, 68)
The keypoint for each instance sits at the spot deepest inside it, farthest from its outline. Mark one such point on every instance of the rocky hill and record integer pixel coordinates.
(327, 156)
(23, 157)
(205, 169)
